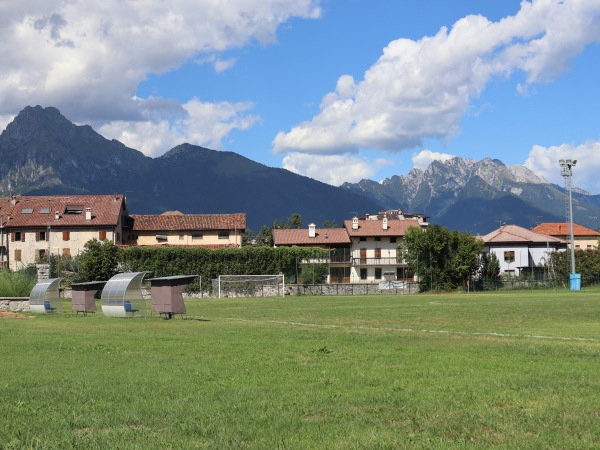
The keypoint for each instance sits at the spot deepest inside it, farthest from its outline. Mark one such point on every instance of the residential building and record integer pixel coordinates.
(374, 245)
(177, 229)
(336, 240)
(34, 227)
(584, 238)
(365, 250)
(521, 251)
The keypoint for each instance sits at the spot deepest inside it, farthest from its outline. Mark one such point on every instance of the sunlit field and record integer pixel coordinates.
(511, 370)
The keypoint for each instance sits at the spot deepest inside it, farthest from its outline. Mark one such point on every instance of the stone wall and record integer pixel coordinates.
(15, 304)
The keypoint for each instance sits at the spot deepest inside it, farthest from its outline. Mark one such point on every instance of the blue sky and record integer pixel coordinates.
(338, 90)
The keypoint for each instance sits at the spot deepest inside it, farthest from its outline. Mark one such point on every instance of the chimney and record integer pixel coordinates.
(366, 217)
(355, 223)
(312, 232)
(384, 223)
(13, 200)
(88, 213)
(56, 215)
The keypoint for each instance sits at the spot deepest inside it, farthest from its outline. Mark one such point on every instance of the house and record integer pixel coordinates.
(365, 250)
(374, 245)
(584, 238)
(176, 228)
(336, 240)
(521, 251)
(35, 227)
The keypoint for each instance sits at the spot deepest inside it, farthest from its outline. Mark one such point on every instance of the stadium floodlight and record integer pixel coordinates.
(566, 171)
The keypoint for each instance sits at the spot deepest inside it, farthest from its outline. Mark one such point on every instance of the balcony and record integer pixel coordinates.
(388, 261)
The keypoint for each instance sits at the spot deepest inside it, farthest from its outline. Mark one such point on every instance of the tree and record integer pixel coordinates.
(442, 259)
(99, 260)
(330, 224)
(314, 274)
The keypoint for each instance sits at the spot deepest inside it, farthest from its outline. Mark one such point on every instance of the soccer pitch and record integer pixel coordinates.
(509, 370)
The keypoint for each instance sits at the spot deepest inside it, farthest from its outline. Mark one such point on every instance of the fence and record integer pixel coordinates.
(350, 289)
(530, 284)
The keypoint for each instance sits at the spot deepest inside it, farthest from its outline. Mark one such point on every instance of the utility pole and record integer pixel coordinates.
(566, 170)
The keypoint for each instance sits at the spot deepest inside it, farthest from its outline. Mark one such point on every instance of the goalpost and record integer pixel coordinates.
(251, 285)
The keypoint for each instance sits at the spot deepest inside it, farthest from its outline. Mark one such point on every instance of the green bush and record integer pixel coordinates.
(17, 284)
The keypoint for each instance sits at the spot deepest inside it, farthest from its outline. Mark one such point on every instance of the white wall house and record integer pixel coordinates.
(34, 227)
(521, 251)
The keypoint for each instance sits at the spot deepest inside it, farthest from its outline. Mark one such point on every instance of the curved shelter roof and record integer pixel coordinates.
(44, 290)
(122, 287)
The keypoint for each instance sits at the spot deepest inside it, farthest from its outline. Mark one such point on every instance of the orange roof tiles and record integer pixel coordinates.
(323, 236)
(516, 234)
(174, 222)
(396, 227)
(40, 211)
(563, 229)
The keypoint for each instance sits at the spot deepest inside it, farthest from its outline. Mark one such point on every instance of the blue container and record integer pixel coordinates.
(575, 281)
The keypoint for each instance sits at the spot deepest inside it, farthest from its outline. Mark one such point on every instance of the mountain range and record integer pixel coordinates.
(43, 153)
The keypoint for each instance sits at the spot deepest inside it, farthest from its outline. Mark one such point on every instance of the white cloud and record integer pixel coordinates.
(88, 58)
(195, 122)
(333, 169)
(421, 89)
(544, 161)
(423, 159)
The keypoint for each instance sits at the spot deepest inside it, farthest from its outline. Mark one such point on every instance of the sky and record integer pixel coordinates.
(336, 90)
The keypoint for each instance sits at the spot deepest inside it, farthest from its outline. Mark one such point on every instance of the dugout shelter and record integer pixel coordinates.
(44, 298)
(122, 296)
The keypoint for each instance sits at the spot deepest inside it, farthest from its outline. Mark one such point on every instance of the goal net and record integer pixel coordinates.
(250, 285)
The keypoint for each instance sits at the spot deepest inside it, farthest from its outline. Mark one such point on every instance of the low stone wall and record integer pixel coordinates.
(15, 304)
(350, 289)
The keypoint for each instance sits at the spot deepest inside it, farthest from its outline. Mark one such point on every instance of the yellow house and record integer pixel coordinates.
(584, 238)
(178, 229)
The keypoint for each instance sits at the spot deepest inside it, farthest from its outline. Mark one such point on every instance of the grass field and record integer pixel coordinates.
(515, 370)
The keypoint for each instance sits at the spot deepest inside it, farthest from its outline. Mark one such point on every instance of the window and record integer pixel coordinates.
(223, 234)
(73, 209)
(378, 273)
(41, 236)
(66, 235)
(66, 252)
(132, 237)
(18, 255)
(161, 236)
(18, 236)
(102, 235)
(45, 211)
(200, 235)
(363, 274)
(393, 239)
(27, 211)
(363, 239)
(41, 254)
(378, 238)
(182, 235)
(509, 256)
(377, 253)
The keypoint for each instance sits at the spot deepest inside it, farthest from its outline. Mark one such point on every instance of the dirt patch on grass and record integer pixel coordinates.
(12, 315)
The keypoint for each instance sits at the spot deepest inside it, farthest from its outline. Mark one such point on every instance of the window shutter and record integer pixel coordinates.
(102, 235)
(18, 255)
(66, 252)
(37, 236)
(22, 236)
(12, 237)
(66, 235)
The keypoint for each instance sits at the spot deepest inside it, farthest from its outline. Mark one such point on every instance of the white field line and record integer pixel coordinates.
(410, 330)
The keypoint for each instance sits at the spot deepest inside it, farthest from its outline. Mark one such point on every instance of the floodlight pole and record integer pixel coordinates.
(566, 171)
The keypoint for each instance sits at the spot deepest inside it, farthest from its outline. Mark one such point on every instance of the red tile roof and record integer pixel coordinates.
(166, 222)
(323, 236)
(396, 227)
(512, 234)
(39, 211)
(563, 229)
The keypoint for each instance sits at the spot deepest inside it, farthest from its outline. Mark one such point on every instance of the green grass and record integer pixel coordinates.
(514, 370)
